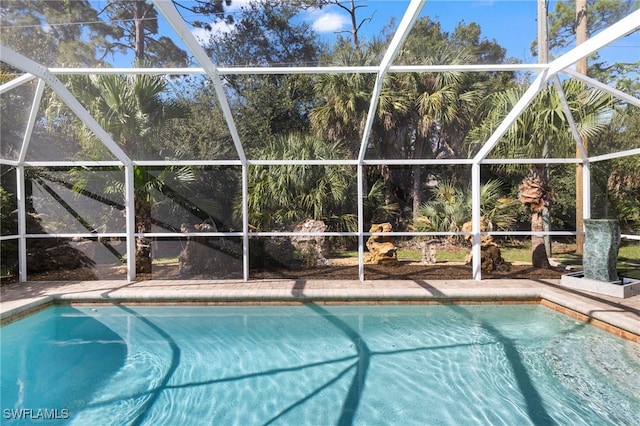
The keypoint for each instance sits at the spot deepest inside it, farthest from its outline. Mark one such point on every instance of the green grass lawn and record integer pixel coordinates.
(628, 255)
(628, 260)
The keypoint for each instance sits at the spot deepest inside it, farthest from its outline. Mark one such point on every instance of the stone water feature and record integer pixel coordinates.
(599, 275)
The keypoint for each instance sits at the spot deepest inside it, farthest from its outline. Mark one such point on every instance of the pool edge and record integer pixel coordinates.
(612, 317)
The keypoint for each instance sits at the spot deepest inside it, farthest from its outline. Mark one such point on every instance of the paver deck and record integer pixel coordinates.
(620, 316)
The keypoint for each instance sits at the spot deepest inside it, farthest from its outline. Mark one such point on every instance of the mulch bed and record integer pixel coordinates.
(403, 271)
(408, 271)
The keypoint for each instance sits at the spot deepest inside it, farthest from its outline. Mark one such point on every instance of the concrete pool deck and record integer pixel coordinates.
(618, 316)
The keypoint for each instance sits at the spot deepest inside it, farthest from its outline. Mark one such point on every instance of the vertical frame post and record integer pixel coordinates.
(586, 190)
(475, 220)
(245, 221)
(360, 178)
(22, 224)
(130, 221)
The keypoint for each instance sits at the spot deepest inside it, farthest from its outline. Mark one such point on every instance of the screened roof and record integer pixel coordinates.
(175, 24)
(511, 26)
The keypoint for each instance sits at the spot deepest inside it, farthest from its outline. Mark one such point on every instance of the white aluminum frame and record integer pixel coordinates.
(546, 73)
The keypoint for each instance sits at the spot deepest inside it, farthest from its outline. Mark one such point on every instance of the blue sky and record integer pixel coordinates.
(512, 23)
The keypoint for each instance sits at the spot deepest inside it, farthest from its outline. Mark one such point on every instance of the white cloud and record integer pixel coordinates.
(328, 22)
(220, 27)
(203, 36)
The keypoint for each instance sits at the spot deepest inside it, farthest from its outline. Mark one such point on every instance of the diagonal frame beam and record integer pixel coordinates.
(25, 64)
(572, 124)
(604, 87)
(409, 18)
(33, 114)
(172, 16)
(618, 30)
(16, 82)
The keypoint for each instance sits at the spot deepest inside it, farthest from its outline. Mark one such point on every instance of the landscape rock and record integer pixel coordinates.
(382, 251)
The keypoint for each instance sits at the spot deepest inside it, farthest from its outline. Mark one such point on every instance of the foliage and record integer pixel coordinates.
(132, 108)
(51, 32)
(137, 30)
(376, 210)
(616, 182)
(419, 115)
(544, 122)
(74, 33)
(542, 130)
(266, 34)
(343, 99)
(280, 196)
(450, 207)
(600, 15)
(135, 111)
(8, 248)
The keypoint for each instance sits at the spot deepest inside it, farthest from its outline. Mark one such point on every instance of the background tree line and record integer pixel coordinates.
(419, 116)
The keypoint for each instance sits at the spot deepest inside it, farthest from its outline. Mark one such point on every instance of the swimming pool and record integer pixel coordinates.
(316, 365)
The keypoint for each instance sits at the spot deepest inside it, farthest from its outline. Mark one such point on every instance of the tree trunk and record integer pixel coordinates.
(385, 171)
(417, 191)
(536, 194)
(143, 245)
(139, 29)
(581, 26)
(539, 257)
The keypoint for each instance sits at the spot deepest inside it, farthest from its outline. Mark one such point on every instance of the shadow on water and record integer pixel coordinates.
(173, 365)
(359, 369)
(350, 403)
(61, 349)
(352, 399)
(532, 398)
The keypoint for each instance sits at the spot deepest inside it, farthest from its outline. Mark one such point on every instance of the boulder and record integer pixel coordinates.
(196, 257)
(382, 251)
(49, 254)
(429, 251)
(314, 246)
(490, 256)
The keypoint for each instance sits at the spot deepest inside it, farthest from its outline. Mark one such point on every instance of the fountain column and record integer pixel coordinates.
(601, 243)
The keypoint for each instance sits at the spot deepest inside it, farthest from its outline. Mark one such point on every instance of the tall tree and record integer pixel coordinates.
(134, 110)
(138, 31)
(343, 99)
(54, 33)
(573, 22)
(446, 103)
(599, 15)
(265, 33)
(419, 115)
(351, 7)
(74, 33)
(545, 117)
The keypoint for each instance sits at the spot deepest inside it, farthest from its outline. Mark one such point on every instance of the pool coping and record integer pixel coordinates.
(618, 316)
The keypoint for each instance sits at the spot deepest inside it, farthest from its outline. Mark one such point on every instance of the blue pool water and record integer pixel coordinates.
(316, 365)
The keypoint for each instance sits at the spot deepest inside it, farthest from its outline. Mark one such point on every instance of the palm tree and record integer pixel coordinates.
(280, 196)
(344, 99)
(544, 119)
(134, 111)
(443, 107)
(450, 208)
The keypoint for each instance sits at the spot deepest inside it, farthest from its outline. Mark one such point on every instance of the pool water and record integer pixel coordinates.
(316, 365)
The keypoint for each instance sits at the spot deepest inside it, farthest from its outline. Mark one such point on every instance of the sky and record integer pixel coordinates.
(515, 30)
(512, 23)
